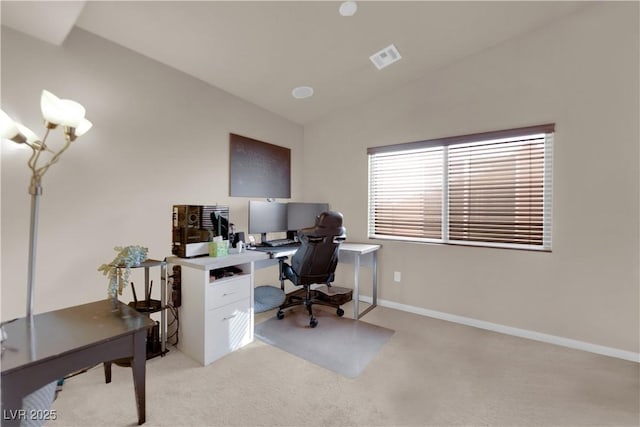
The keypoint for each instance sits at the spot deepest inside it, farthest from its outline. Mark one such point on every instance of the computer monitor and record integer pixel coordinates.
(302, 215)
(267, 217)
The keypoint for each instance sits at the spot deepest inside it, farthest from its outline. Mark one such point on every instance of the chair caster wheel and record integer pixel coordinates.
(340, 312)
(280, 314)
(313, 322)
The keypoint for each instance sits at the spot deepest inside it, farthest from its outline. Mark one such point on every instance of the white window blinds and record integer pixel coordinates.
(491, 189)
(405, 193)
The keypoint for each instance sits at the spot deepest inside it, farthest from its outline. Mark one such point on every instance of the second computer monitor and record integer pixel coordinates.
(303, 215)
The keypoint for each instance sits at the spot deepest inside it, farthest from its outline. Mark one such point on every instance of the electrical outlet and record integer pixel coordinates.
(397, 276)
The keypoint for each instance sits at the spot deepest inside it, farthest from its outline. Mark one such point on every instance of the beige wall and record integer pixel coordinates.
(581, 73)
(159, 138)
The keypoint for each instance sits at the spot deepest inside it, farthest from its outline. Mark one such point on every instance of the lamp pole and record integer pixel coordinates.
(35, 190)
(70, 115)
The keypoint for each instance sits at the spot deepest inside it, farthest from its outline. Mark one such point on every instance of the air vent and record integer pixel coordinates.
(385, 57)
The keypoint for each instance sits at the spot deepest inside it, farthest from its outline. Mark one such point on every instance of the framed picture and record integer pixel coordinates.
(258, 169)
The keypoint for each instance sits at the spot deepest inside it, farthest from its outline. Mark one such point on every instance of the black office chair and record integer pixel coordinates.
(314, 262)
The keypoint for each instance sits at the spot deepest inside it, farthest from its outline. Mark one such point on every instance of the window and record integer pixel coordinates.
(488, 189)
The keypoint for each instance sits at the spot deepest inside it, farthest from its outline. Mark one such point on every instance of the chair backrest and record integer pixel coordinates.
(316, 259)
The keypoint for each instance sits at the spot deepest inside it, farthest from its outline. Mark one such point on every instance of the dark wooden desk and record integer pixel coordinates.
(64, 341)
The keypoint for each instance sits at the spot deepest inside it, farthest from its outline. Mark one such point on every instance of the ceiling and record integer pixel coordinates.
(260, 51)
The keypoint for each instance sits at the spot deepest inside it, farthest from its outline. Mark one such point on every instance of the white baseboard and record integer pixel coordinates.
(508, 330)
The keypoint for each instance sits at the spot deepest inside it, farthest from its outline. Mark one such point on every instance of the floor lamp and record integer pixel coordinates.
(67, 114)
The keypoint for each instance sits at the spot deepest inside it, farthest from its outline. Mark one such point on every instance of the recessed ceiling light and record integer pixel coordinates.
(302, 92)
(348, 8)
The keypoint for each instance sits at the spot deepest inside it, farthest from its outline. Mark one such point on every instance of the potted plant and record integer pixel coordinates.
(118, 270)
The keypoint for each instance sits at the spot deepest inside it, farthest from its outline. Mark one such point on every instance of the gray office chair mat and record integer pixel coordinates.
(342, 345)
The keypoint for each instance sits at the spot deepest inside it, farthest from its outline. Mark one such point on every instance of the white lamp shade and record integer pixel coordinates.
(74, 113)
(61, 111)
(8, 128)
(83, 127)
(31, 137)
(52, 108)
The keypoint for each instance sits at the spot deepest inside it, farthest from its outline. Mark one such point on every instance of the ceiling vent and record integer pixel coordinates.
(385, 57)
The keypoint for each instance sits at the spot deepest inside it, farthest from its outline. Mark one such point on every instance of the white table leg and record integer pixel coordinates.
(356, 286)
(374, 267)
(374, 272)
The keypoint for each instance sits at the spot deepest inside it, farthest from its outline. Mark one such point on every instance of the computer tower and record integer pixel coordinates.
(194, 226)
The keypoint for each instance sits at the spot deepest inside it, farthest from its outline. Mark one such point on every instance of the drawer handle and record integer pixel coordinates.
(229, 318)
(230, 293)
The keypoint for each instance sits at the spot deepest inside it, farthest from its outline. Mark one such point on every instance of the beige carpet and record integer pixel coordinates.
(429, 373)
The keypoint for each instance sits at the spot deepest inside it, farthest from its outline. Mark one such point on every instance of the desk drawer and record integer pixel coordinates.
(228, 328)
(227, 290)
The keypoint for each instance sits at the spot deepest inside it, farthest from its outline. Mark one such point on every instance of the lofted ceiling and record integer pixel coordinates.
(260, 51)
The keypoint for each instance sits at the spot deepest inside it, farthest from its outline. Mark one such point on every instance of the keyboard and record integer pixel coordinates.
(280, 242)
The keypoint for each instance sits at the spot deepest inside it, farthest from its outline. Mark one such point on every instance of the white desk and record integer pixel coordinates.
(357, 253)
(216, 316)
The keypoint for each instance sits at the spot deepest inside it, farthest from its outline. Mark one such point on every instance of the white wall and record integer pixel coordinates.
(581, 73)
(160, 138)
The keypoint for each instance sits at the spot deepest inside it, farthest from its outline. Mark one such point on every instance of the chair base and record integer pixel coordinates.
(315, 297)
